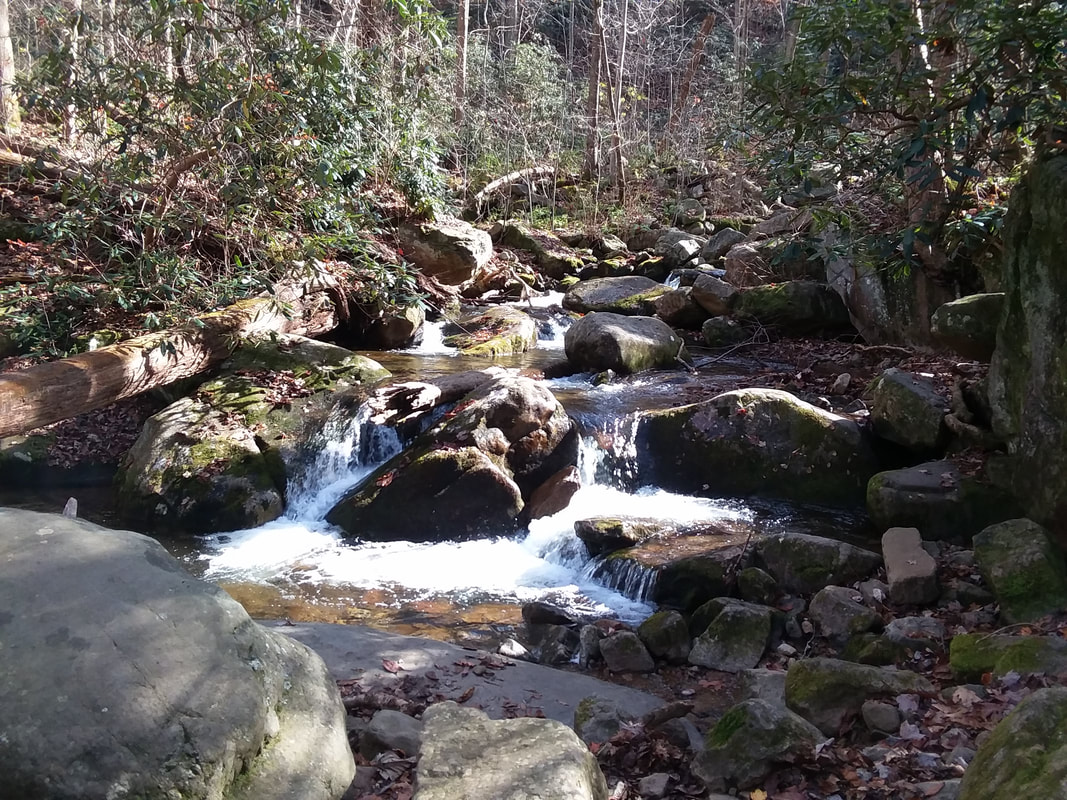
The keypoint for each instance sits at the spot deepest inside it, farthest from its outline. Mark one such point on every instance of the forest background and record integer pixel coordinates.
(169, 156)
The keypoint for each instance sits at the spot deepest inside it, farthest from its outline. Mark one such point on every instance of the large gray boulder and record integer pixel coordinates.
(197, 470)
(553, 257)
(466, 754)
(804, 564)
(602, 341)
(734, 639)
(1024, 569)
(969, 325)
(1026, 754)
(471, 474)
(678, 247)
(756, 441)
(1028, 372)
(906, 409)
(448, 249)
(123, 676)
(630, 294)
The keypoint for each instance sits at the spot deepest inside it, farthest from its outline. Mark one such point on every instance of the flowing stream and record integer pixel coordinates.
(301, 567)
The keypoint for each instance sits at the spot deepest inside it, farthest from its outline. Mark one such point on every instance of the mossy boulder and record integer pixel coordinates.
(749, 741)
(496, 331)
(870, 648)
(968, 326)
(735, 639)
(796, 308)
(470, 474)
(971, 655)
(804, 564)
(632, 295)
(1028, 371)
(602, 341)
(679, 309)
(723, 332)
(1025, 755)
(623, 651)
(938, 500)
(196, 470)
(554, 259)
(757, 586)
(597, 719)
(606, 534)
(907, 410)
(1024, 569)
(30, 460)
(763, 442)
(666, 635)
(756, 263)
(827, 691)
(714, 295)
(838, 613)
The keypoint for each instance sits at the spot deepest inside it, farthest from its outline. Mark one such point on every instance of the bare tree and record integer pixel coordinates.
(9, 107)
(73, 41)
(462, 20)
(592, 103)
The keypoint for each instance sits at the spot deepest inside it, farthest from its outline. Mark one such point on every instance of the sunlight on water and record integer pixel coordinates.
(433, 341)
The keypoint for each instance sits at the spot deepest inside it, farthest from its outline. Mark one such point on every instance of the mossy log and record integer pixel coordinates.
(61, 389)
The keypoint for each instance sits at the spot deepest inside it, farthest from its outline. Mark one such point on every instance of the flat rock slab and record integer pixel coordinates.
(353, 650)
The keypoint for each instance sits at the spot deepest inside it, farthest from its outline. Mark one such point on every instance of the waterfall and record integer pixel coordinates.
(624, 575)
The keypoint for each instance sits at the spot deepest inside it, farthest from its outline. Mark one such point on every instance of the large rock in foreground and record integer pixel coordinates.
(123, 676)
(471, 474)
(756, 441)
(467, 755)
(1028, 372)
(1026, 754)
(602, 341)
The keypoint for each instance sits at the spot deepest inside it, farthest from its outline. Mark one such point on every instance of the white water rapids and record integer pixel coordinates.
(546, 563)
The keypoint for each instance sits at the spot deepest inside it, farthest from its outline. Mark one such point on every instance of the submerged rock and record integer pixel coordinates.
(124, 676)
(466, 754)
(471, 473)
(603, 341)
(1026, 753)
(764, 442)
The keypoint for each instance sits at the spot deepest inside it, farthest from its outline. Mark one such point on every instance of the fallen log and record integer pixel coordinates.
(505, 182)
(58, 390)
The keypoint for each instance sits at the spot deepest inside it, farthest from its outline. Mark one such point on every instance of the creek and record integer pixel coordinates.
(301, 568)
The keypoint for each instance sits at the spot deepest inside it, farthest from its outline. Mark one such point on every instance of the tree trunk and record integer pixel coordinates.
(616, 117)
(62, 389)
(9, 107)
(687, 81)
(462, 17)
(74, 36)
(592, 103)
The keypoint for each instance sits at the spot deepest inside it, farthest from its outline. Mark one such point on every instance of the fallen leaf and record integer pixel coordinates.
(391, 666)
(463, 698)
(757, 794)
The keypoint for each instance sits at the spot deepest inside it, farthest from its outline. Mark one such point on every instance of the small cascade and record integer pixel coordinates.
(552, 331)
(624, 575)
(433, 341)
(607, 454)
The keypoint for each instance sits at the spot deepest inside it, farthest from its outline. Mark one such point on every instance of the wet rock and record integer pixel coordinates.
(735, 639)
(496, 331)
(553, 257)
(1034, 735)
(720, 244)
(804, 564)
(910, 570)
(625, 652)
(589, 637)
(554, 494)
(466, 754)
(714, 295)
(606, 534)
(755, 441)
(555, 644)
(196, 470)
(881, 717)
(969, 325)
(602, 341)
(825, 691)
(123, 673)
(757, 586)
(796, 308)
(632, 295)
(723, 332)
(393, 327)
(838, 613)
(469, 474)
(448, 249)
(1028, 371)
(390, 730)
(906, 409)
(1023, 568)
(666, 635)
(749, 741)
(677, 247)
(537, 612)
(679, 309)
(937, 500)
